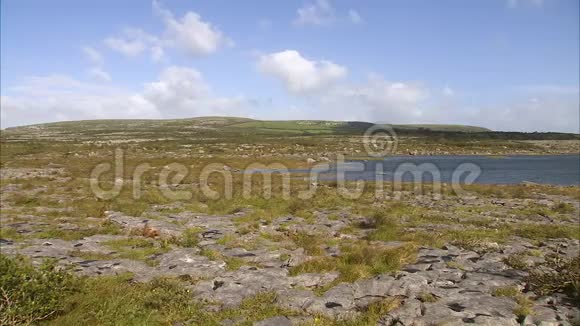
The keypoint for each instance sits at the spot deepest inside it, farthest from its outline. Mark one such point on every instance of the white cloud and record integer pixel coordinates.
(299, 74)
(132, 42)
(176, 85)
(317, 13)
(97, 62)
(191, 33)
(534, 108)
(92, 55)
(157, 53)
(57, 97)
(534, 111)
(180, 92)
(99, 74)
(374, 100)
(354, 17)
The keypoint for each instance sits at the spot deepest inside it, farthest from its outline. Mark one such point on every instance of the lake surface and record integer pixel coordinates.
(545, 169)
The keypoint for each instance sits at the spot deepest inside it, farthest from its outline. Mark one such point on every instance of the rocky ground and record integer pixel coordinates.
(224, 259)
(496, 255)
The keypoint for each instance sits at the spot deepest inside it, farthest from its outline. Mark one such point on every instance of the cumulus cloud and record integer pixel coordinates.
(322, 13)
(354, 17)
(191, 33)
(129, 48)
(317, 13)
(178, 93)
(131, 42)
(375, 99)
(326, 95)
(531, 111)
(96, 71)
(299, 74)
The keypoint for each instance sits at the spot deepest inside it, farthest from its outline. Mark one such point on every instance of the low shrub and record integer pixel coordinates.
(30, 295)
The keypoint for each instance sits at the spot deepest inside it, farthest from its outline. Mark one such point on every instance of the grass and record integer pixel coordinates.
(54, 233)
(547, 231)
(369, 315)
(56, 297)
(9, 233)
(427, 297)
(516, 261)
(29, 295)
(189, 237)
(524, 303)
(232, 263)
(556, 275)
(312, 244)
(359, 260)
(141, 249)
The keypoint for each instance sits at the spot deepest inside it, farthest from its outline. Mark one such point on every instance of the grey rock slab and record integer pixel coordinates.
(308, 280)
(231, 288)
(295, 299)
(274, 321)
(137, 223)
(185, 261)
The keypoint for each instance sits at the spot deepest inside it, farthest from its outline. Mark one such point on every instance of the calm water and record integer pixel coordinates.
(553, 169)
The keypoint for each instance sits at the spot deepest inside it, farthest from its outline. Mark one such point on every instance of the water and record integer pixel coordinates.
(546, 169)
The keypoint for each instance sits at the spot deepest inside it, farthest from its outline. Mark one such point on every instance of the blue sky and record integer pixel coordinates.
(502, 64)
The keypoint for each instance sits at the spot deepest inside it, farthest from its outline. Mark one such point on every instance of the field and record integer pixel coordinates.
(173, 246)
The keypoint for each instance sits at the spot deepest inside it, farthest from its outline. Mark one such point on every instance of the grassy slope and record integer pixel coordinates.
(436, 127)
(212, 127)
(290, 126)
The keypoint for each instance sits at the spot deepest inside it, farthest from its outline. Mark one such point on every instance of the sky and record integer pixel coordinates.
(502, 64)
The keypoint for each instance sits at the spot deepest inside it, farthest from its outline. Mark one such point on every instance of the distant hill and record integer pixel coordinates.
(138, 130)
(233, 123)
(436, 127)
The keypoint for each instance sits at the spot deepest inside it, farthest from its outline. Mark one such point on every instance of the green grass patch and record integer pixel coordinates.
(360, 260)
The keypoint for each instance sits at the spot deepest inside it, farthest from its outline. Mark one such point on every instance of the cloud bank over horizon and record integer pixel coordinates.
(308, 85)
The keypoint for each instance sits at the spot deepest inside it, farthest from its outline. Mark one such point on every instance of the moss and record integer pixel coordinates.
(427, 297)
(454, 264)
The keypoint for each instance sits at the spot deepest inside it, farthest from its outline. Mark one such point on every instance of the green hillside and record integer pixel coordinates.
(234, 127)
(436, 127)
(230, 124)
